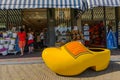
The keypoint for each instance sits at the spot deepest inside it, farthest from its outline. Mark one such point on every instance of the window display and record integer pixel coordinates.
(97, 34)
(63, 34)
(94, 34)
(63, 26)
(86, 32)
(101, 20)
(8, 42)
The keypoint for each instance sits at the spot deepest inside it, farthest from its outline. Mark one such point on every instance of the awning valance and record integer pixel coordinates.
(22, 4)
(97, 3)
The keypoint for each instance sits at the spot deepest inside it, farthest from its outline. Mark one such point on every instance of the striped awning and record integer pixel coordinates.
(22, 4)
(97, 3)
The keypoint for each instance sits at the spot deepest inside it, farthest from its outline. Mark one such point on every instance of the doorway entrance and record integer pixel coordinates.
(36, 19)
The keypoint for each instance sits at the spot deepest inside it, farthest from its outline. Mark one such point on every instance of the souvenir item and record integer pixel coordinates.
(14, 35)
(73, 58)
(4, 35)
(1, 41)
(1, 46)
(6, 46)
(4, 52)
(11, 47)
(12, 41)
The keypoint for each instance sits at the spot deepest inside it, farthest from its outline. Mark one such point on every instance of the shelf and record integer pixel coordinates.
(12, 51)
(64, 35)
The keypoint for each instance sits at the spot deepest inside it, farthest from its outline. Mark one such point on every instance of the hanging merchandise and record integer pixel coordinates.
(111, 40)
(14, 35)
(63, 28)
(8, 43)
(12, 41)
(94, 34)
(11, 47)
(5, 34)
(86, 34)
(97, 34)
(1, 41)
(1, 46)
(6, 46)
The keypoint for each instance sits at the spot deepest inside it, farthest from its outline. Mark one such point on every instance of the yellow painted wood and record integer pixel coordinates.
(61, 61)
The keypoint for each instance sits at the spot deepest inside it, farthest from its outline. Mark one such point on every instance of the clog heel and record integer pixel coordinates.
(102, 58)
(73, 58)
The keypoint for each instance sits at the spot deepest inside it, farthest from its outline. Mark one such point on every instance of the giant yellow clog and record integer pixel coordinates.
(73, 58)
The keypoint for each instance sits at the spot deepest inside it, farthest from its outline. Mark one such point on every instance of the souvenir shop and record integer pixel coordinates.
(63, 28)
(12, 20)
(61, 23)
(96, 24)
(66, 28)
(8, 31)
(58, 21)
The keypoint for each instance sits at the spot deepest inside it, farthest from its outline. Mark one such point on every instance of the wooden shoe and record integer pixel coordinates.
(73, 58)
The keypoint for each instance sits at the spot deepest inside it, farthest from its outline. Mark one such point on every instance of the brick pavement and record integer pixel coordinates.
(41, 72)
(115, 55)
(27, 69)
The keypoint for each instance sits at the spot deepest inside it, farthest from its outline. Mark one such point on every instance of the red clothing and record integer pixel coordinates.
(22, 36)
(30, 41)
(21, 44)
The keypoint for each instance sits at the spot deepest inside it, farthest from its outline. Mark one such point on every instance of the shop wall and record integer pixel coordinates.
(10, 18)
(118, 27)
(118, 13)
(51, 27)
(79, 23)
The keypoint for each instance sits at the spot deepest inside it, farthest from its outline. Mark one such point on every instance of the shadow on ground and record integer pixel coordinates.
(114, 66)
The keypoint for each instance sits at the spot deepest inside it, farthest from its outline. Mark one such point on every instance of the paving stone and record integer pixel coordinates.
(35, 69)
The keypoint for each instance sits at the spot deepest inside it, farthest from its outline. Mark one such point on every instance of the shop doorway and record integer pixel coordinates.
(36, 19)
(11, 20)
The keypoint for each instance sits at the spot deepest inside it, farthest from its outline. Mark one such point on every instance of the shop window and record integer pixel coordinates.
(94, 33)
(98, 19)
(63, 25)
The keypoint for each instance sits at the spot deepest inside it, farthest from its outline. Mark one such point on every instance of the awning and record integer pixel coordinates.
(97, 3)
(22, 4)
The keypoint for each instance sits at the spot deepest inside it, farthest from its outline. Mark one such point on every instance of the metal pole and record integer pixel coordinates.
(104, 20)
(117, 21)
(7, 21)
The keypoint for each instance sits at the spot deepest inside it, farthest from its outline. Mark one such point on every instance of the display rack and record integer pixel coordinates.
(62, 34)
(8, 43)
(86, 33)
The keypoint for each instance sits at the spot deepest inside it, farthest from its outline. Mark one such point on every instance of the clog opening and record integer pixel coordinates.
(97, 50)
